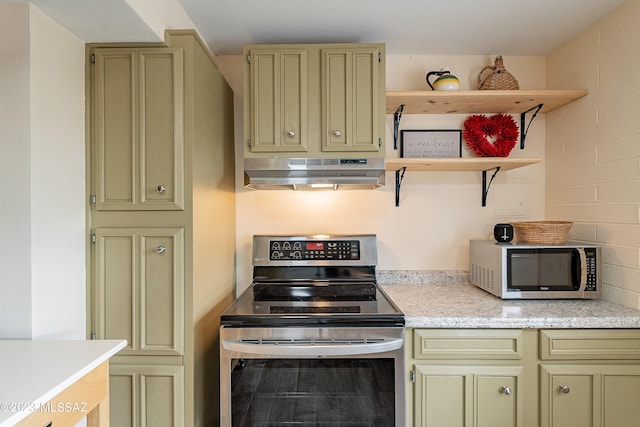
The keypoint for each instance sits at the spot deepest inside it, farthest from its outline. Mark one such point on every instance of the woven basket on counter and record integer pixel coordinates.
(542, 232)
(499, 79)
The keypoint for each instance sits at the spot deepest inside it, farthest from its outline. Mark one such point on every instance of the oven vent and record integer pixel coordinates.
(482, 277)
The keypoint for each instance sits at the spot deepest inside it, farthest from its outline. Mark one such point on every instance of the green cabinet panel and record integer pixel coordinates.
(278, 99)
(146, 395)
(139, 288)
(137, 130)
(498, 399)
(469, 344)
(351, 107)
(575, 344)
(598, 395)
(467, 396)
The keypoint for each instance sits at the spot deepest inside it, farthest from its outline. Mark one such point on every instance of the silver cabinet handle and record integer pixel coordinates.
(506, 390)
(291, 133)
(564, 388)
(161, 188)
(161, 250)
(337, 133)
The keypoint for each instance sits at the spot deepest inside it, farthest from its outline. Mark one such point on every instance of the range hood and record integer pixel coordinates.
(313, 173)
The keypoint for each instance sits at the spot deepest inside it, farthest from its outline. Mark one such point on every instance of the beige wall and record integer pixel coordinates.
(439, 212)
(593, 146)
(42, 251)
(58, 198)
(15, 170)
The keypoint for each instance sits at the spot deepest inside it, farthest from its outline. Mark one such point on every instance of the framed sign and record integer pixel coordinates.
(431, 143)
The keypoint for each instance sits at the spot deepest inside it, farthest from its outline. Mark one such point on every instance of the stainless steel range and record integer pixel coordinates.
(314, 340)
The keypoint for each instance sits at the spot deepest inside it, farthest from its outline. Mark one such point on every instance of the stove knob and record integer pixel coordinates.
(297, 255)
(275, 255)
(286, 246)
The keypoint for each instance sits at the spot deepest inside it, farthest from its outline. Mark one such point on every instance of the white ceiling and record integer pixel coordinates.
(454, 27)
(451, 27)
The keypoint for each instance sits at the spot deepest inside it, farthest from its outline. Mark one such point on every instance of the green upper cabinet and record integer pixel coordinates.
(351, 99)
(314, 100)
(138, 134)
(278, 100)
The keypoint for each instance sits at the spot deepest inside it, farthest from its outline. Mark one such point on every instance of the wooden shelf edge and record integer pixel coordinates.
(479, 101)
(459, 164)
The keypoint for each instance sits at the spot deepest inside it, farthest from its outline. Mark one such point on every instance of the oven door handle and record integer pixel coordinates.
(284, 349)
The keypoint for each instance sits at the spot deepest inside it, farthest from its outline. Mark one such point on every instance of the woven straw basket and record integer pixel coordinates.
(499, 79)
(542, 232)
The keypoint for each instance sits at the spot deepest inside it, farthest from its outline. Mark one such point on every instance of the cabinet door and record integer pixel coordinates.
(621, 391)
(497, 398)
(137, 129)
(146, 395)
(352, 105)
(278, 103)
(467, 396)
(589, 395)
(139, 294)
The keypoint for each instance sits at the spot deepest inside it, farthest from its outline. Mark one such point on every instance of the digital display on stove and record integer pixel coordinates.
(296, 250)
(315, 246)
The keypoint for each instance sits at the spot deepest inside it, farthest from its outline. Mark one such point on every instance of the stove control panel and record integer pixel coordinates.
(305, 250)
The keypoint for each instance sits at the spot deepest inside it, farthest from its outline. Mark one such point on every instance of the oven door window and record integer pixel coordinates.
(295, 392)
(543, 269)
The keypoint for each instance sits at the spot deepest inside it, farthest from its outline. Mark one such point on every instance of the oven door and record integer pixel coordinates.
(312, 376)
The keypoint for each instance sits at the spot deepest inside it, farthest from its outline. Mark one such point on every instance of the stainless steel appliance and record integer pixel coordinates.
(522, 271)
(314, 340)
(314, 173)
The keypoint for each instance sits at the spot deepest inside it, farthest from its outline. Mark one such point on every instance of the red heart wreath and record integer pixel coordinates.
(501, 128)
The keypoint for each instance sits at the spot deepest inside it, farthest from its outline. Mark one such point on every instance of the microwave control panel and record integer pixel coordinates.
(304, 250)
(590, 255)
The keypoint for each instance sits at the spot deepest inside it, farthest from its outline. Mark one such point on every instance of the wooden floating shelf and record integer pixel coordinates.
(467, 164)
(480, 101)
(459, 164)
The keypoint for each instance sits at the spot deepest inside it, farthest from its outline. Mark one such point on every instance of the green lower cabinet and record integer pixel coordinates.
(523, 377)
(590, 395)
(466, 396)
(146, 395)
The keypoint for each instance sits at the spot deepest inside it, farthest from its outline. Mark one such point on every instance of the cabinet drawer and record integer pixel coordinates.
(590, 344)
(469, 344)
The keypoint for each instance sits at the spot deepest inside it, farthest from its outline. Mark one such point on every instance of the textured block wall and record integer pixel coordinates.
(593, 146)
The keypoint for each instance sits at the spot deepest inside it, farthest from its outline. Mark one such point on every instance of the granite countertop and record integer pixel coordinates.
(462, 305)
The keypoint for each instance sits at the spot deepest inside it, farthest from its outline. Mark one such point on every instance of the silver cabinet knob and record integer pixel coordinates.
(161, 250)
(291, 133)
(161, 188)
(506, 390)
(564, 388)
(337, 133)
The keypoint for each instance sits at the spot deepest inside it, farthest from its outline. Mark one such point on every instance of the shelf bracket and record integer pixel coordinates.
(396, 125)
(485, 186)
(399, 177)
(524, 130)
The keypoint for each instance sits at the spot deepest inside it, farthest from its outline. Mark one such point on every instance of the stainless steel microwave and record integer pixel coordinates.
(523, 271)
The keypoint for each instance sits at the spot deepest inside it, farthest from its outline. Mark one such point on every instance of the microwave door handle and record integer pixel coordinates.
(583, 268)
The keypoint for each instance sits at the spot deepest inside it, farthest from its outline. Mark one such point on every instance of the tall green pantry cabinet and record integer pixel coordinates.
(161, 264)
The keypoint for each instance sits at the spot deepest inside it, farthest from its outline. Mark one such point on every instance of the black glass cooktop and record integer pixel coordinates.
(297, 296)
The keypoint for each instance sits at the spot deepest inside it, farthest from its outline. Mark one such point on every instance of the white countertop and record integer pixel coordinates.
(455, 305)
(33, 372)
